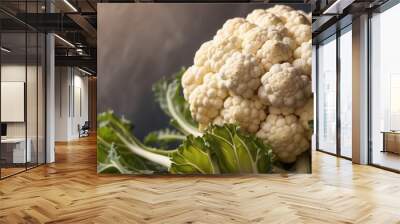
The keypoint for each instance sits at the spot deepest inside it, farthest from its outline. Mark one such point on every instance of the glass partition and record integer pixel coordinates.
(14, 153)
(327, 95)
(41, 96)
(23, 91)
(31, 99)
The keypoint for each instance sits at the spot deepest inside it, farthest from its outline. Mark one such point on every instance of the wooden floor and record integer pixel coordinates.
(10, 171)
(70, 191)
(386, 159)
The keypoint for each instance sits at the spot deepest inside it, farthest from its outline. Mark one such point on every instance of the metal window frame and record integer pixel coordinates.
(341, 27)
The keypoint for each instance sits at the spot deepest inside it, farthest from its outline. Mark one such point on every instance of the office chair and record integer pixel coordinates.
(84, 130)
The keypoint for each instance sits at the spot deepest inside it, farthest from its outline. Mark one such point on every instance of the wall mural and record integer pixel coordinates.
(204, 89)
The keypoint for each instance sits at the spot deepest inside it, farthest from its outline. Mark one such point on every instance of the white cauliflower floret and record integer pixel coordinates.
(201, 56)
(248, 114)
(254, 39)
(297, 22)
(264, 19)
(304, 51)
(207, 100)
(293, 18)
(279, 9)
(301, 33)
(254, 15)
(241, 74)
(290, 42)
(234, 27)
(192, 78)
(307, 15)
(231, 26)
(306, 114)
(304, 65)
(274, 52)
(220, 50)
(283, 85)
(286, 136)
(284, 32)
(303, 58)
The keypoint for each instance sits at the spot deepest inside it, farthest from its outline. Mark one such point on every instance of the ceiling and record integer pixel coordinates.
(72, 20)
(76, 22)
(332, 15)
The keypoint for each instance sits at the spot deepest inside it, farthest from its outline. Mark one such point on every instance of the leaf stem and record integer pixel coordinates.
(190, 129)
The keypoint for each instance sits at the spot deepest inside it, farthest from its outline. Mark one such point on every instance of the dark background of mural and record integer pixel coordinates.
(140, 43)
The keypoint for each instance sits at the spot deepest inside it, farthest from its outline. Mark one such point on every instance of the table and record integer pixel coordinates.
(15, 148)
(391, 141)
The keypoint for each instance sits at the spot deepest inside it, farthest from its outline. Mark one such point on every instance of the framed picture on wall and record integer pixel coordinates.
(204, 88)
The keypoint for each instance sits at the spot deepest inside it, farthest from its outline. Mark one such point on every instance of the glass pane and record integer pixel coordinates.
(385, 84)
(31, 97)
(13, 88)
(41, 99)
(31, 87)
(346, 94)
(327, 96)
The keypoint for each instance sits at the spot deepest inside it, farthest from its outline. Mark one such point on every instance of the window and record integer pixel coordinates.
(334, 96)
(385, 89)
(346, 92)
(327, 95)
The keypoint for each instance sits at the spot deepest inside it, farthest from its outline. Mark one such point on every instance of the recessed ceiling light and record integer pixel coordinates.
(338, 6)
(70, 5)
(5, 50)
(64, 40)
(84, 71)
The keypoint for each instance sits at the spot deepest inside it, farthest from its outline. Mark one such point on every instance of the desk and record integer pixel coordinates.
(391, 141)
(15, 148)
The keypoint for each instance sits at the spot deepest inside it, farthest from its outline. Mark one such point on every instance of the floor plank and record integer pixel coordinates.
(70, 191)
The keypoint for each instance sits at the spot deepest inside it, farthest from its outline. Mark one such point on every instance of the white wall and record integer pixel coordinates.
(16, 73)
(71, 93)
(11, 73)
(62, 81)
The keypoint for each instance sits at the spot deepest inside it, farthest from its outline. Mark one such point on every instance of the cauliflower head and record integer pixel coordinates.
(255, 72)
